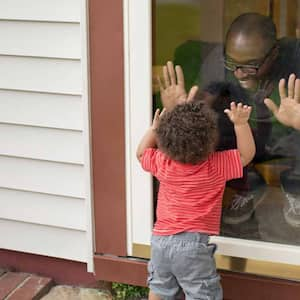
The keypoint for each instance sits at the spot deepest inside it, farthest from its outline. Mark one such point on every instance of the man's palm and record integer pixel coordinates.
(172, 88)
(288, 112)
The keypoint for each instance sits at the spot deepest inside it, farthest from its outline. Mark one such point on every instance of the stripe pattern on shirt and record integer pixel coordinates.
(190, 196)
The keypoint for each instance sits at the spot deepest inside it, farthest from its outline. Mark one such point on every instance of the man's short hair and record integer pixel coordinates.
(253, 24)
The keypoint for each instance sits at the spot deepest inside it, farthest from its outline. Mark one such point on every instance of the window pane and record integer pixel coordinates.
(265, 204)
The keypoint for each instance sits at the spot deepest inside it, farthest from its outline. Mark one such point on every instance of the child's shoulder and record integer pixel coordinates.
(155, 152)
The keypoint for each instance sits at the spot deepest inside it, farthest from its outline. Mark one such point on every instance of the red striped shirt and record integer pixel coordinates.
(190, 196)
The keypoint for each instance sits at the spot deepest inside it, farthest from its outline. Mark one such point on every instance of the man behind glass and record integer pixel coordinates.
(255, 60)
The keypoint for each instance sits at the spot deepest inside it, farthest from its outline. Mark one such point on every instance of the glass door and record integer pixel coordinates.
(261, 212)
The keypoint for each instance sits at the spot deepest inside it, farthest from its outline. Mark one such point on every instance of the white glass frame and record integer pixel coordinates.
(138, 102)
(138, 108)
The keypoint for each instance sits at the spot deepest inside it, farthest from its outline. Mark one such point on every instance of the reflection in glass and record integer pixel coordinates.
(265, 203)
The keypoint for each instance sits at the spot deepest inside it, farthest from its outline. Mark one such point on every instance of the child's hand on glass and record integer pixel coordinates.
(238, 113)
(156, 118)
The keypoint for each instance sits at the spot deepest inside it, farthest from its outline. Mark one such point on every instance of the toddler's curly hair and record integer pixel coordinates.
(188, 133)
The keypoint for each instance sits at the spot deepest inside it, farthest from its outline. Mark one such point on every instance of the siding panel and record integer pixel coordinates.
(45, 240)
(29, 39)
(42, 176)
(22, 204)
(47, 10)
(44, 129)
(42, 143)
(40, 74)
(41, 109)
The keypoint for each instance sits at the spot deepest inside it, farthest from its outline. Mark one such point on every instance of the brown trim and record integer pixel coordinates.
(248, 287)
(239, 264)
(124, 270)
(60, 270)
(236, 286)
(107, 120)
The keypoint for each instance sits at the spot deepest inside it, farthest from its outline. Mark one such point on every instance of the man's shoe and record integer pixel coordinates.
(291, 210)
(240, 210)
(243, 203)
(290, 185)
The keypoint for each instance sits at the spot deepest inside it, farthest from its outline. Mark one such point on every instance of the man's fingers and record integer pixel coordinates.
(282, 92)
(166, 76)
(291, 85)
(171, 71)
(192, 93)
(271, 106)
(297, 91)
(180, 76)
(161, 87)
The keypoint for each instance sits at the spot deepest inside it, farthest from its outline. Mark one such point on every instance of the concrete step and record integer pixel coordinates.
(61, 292)
(23, 286)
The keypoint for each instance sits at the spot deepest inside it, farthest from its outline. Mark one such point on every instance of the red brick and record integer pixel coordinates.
(9, 281)
(33, 288)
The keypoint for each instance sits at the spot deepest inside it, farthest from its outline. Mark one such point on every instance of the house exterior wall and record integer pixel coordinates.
(44, 131)
(107, 96)
(112, 262)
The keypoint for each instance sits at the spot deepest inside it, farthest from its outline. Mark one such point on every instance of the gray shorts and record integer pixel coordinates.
(184, 262)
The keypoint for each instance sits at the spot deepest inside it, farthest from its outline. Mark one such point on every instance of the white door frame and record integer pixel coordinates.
(138, 107)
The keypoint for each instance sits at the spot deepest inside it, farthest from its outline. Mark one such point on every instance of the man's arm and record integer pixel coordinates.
(239, 116)
(288, 112)
(149, 138)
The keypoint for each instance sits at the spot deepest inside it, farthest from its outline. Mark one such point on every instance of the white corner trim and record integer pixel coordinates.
(87, 135)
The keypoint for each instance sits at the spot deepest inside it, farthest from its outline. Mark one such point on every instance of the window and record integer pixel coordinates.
(261, 212)
(265, 204)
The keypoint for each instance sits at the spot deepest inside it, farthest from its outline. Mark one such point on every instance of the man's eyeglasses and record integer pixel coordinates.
(250, 69)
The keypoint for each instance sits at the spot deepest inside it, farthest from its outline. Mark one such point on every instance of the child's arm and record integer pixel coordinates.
(149, 138)
(239, 116)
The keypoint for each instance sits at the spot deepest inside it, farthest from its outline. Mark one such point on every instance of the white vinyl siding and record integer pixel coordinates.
(43, 204)
(26, 38)
(42, 176)
(40, 74)
(49, 109)
(67, 243)
(44, 129)
(42, 143)
(41, 10)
